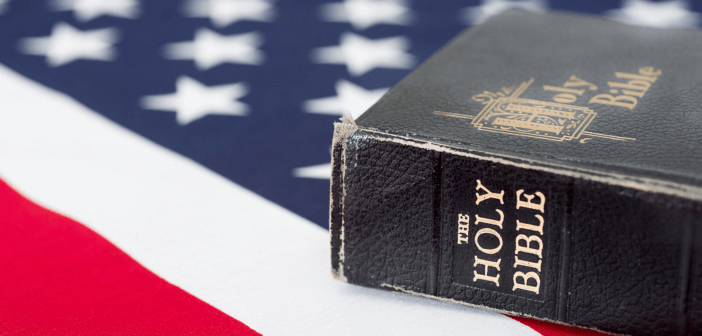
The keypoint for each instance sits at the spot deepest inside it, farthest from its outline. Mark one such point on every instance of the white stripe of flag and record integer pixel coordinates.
(237, 251)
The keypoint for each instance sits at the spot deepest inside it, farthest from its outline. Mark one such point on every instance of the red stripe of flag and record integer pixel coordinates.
(553, 329)
(59, 277)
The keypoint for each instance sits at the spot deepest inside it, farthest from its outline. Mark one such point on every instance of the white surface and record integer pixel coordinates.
(247, 256)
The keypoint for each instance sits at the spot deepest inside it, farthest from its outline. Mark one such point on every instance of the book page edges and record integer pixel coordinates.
(500, 311)
(342, 130)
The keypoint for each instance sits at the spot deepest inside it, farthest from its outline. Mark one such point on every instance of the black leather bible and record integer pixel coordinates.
(541, 165)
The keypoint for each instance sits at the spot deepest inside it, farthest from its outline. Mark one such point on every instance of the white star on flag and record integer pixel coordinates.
(86, 10)
(363, 14)
(362, 55)
(210, 49)
(478, 14)
(67, 44)
(350, 99)
(320, 171)
(657, 14)
(225, 12)
(193, 100)
(3, 6)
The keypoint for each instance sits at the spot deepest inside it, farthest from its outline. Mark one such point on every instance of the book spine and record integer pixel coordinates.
(512, 237)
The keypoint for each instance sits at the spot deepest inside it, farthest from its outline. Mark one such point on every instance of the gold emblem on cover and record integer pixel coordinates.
(505, 112)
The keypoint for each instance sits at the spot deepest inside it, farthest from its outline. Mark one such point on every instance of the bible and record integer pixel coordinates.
(542, 165)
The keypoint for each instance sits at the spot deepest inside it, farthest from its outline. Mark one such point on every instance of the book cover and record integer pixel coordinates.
(542, 165)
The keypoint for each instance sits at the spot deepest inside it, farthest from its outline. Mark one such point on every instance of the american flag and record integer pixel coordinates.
(164, 165)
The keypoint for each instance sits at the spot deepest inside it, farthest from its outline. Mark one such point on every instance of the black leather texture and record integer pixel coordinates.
(515, 46)
(550, 206)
